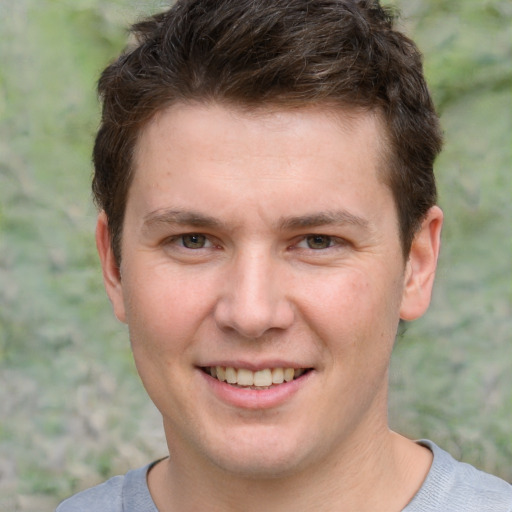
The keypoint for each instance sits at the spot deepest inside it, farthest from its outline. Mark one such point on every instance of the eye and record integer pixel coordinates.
(317, 242)
(195, 241)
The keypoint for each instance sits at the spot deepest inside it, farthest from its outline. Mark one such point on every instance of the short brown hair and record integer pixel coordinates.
(285, 53)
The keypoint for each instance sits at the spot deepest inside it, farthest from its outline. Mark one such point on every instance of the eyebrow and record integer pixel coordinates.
(322, 219)
(199, 220)
(180, 217)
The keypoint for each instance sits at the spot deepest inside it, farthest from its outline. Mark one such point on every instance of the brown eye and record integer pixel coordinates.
(194, 241)
(318, 241)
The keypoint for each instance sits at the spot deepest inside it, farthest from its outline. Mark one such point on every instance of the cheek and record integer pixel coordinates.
(165, 309)
(353, 309)
(340, 298)
(162, 318)
(155, 292)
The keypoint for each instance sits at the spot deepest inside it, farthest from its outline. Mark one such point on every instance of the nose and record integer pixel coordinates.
(254, 297)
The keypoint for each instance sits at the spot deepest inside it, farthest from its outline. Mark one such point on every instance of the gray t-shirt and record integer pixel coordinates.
(450, 486)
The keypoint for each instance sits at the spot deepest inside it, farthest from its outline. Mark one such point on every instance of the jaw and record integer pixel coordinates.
(262, 433)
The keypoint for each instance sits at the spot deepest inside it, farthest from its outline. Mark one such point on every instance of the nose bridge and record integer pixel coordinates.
(254, 300)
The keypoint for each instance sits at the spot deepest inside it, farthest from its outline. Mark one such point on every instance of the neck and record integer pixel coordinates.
(382, 474)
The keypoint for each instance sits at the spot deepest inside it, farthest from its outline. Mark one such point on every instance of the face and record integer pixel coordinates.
(262, 281)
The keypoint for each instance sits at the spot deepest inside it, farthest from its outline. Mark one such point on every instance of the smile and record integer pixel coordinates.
(261, 379)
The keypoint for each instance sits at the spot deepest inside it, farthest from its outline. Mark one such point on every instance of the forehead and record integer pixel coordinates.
(312, 157)
(199, 124)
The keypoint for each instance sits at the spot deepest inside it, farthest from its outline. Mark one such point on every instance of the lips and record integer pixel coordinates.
(260, 379)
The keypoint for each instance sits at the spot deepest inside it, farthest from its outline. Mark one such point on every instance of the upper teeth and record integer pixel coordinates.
(260, 378)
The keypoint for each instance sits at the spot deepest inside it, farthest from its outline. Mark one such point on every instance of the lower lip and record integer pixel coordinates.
(246, 398)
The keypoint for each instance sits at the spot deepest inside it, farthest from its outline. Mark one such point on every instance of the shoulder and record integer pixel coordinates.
(452, 486)
(106, 497)
(130, 489)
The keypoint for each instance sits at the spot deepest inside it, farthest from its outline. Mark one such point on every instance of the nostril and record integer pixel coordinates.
(251, 319)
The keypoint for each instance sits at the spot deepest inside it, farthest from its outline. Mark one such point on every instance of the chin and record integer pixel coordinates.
(256, 455)
(259, 466)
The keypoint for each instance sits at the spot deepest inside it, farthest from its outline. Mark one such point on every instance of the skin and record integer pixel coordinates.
(294, 260)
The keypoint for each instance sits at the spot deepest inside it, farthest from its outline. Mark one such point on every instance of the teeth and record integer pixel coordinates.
(261, 378)
(231, 375)
(221, 373)
(277, 376)
(245, 377)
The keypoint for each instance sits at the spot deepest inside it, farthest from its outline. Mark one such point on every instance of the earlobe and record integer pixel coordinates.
(111, 272)
(421, 266)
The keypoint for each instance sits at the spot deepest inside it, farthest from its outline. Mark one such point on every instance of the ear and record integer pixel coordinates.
(111, 271)
(421, 266)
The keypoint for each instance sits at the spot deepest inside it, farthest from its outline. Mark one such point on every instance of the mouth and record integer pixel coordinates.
(261, 379)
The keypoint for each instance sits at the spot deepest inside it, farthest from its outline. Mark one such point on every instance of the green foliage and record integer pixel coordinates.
(452, 378)
(73, 411)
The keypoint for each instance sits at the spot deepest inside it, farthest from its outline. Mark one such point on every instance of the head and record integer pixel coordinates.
(277, 54)
(265, 171)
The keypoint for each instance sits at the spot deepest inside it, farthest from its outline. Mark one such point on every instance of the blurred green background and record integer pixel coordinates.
(72, 411)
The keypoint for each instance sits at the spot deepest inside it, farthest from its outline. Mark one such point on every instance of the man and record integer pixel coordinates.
(264, 175)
